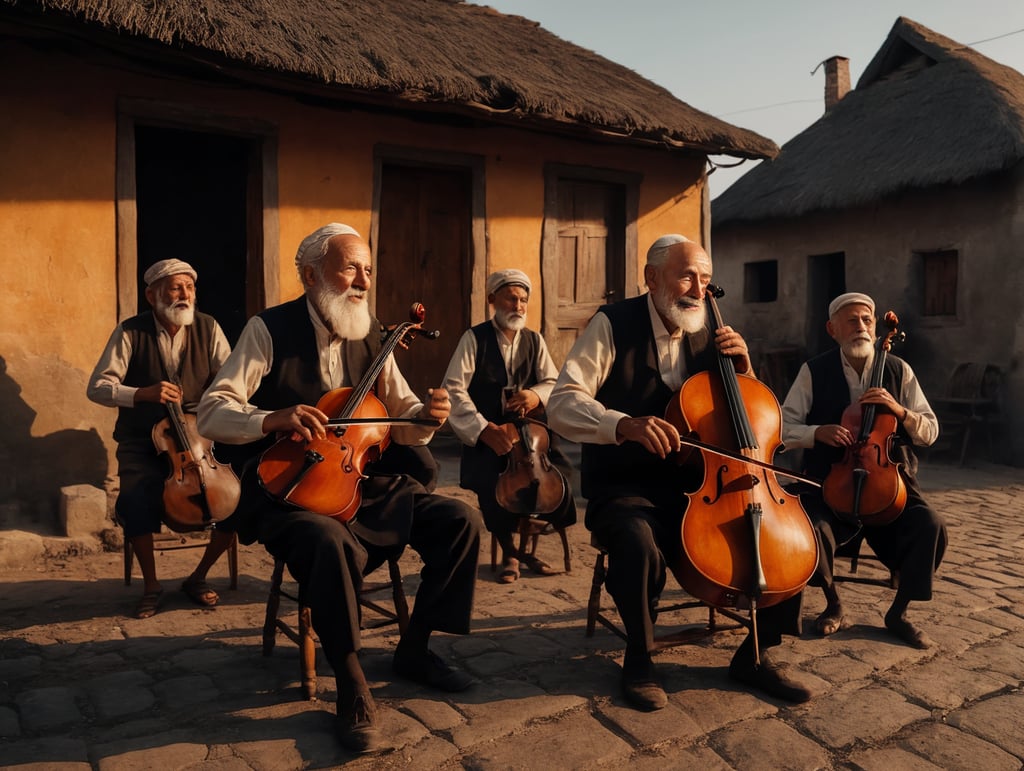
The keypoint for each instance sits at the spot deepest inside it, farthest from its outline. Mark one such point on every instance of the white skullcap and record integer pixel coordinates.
(848, 299)
(501, 278)
(166, 268)
(314, 246)
(655, 255)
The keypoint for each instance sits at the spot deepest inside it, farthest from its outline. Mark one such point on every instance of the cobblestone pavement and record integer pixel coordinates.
(83, 685)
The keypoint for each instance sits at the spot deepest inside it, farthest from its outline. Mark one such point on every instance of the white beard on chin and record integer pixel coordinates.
(690, 321)
(859, 349)
(348, 320)
(177, 316)
(507, 320)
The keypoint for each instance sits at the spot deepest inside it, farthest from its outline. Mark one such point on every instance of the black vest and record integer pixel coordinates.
(147, 367)
(479, 464)
(634, 386)
(830, 396)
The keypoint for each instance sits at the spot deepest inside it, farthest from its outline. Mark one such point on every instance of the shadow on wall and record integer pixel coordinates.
(38, 467)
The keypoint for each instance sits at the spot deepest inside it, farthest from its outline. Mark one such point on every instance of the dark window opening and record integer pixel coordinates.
(761, 281)
(940, 270)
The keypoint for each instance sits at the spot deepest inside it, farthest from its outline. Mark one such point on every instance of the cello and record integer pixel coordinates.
(324, 475)
(866, 485)
(198, 491)
(746, 542)
(530, 484)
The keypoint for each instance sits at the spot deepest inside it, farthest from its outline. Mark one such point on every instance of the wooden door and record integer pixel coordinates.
(423, 255)
(590, 260)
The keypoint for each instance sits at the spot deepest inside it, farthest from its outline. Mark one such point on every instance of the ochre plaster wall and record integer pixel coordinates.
(58, 230)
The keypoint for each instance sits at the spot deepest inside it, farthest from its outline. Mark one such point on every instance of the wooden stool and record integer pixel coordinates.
(168, 541)
(302, 633)
(529, 533)
(852, 549)
(688, 634)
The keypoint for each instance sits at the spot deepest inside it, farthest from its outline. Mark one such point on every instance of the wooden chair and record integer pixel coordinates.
(971, 402)
(302, 633)
(596, 615)
(852, 549)
(530, 531)
(169, 541)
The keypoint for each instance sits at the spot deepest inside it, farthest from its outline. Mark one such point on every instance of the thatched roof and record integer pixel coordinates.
(439, 55)
(927, 111)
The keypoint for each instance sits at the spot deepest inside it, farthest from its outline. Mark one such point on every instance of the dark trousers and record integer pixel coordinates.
(913, 544)
(329, 561)
(643, 538)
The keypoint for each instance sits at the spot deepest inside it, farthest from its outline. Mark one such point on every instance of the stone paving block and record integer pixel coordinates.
(948, 747)
(429, 754)
(942, 684)
(955, 638)
(713, 707)
(768, 745)
(55, 752)
(868, 714)
(202, 659)
(880, 650)
(161, 754)
(399, 729)
(473, 645)
(19, 668)
(534, 646)
(889, 758)
(1000, 656)
(180, 692)
(10, 728)
(435, 715)
(496, 710)
(270, 754)
(575, 741)
(494, 662)
(997, 720)
(672, 758)
(839, 668)
(46, 709)
(648, 729)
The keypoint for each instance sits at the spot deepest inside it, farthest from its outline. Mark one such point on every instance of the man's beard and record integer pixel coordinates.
(510, 320)
(858, 349)
(673, 309)
(180, 314)
(346, 319)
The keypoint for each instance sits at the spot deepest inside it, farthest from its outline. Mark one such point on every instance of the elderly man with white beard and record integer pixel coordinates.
(286, 359)
(500, 372)
(167, 354)
(611, 394)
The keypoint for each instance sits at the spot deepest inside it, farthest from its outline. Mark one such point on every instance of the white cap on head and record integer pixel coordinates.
(501, 278)
(656, 254)
(849, 299)
(314, 246)
(165, 268)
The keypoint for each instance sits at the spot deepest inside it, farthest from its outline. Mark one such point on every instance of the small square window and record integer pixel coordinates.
(939, 270)
(761, 281)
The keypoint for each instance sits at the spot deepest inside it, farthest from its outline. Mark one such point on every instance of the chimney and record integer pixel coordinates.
(837, 80)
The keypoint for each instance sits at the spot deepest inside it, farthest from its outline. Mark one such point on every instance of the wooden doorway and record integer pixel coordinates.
(191, 198)
(826, 280)
(424, 254)
(584, 255)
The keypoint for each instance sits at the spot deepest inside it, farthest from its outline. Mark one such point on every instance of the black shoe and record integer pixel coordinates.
(645, 694)
(769, 678)
(356, 729)
(431, 670)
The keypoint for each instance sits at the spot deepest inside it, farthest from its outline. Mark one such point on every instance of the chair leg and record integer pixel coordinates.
(307, 653)
(398, 596)
(128, 556)
(273, 603)
(565, 550)
(233, 562)
(594, 603)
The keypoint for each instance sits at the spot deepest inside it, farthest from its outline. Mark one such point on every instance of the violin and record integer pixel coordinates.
(866, 485)
(746, 542)
(324, 476)
(530, 484)
(198, 491)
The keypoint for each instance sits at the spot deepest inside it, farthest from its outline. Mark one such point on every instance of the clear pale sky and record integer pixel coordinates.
(749, 62)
